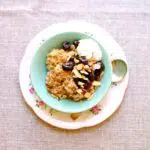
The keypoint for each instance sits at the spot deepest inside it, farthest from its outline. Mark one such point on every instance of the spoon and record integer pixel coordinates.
(119, 70)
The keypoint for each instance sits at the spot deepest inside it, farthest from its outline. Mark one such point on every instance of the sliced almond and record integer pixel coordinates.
(90, 63)
(76, 60)
(97, 66)
(96, 83)
(86, 67)
(79, 91)
(82, 76)
(76, 72)
(87, 95)
(80, 83)
(80, 66)
(92, 58)
(84, 72)
(73, 47)
(68, 58)
(91, 96)
(82, 86)
(86, 79)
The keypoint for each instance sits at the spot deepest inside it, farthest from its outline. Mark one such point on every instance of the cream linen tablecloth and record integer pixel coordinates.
(129, 23)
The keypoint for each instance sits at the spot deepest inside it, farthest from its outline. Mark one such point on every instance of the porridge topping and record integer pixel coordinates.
(71, 73)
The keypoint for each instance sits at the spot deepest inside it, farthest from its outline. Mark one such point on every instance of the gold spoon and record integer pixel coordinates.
(119, 70)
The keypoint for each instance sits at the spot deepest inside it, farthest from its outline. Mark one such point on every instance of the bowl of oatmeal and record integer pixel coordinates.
(71, 72)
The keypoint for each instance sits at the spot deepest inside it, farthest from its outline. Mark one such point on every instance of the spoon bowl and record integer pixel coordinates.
(119, 70)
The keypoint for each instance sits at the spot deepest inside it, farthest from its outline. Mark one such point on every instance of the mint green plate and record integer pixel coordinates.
(39, 71)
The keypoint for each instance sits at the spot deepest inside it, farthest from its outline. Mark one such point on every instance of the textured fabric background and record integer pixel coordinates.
(129, 23)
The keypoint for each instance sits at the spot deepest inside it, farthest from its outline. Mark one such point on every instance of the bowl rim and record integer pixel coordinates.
(83, 108)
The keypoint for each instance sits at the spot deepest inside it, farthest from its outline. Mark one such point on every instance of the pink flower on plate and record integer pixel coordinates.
(95, 109)
(40, 103)
(31, 90)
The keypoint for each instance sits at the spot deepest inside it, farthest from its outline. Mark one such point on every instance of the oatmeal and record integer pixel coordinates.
(71, 75)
